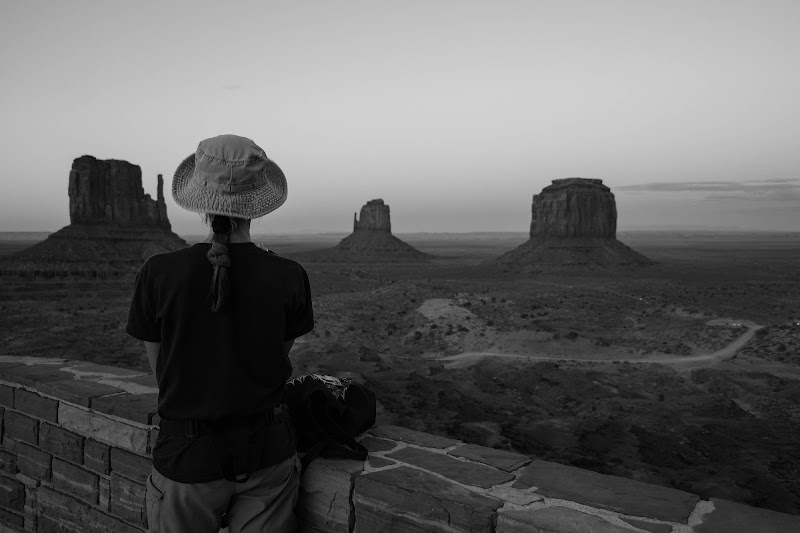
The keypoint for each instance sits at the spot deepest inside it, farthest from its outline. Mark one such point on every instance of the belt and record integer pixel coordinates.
(194, 427)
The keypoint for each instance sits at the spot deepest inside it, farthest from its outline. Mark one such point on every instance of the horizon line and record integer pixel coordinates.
(310, 232)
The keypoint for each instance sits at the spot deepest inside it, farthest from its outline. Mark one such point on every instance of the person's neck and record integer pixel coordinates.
(241, 234)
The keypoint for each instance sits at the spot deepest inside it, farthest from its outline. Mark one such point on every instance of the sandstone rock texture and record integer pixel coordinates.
(371, 241)
(110, 192)
(69, 463)
(114, 226)
(374, 217)
(573, 224)
(574, 207)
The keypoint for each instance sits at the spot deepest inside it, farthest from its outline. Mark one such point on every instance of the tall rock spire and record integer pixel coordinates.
(161, 205)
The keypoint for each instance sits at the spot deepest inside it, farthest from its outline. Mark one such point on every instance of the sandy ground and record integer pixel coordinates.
(683, 374)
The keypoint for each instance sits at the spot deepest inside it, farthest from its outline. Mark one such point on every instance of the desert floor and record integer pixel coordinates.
(686, 373)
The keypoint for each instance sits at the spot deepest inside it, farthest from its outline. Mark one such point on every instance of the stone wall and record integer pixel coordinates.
(76, 439)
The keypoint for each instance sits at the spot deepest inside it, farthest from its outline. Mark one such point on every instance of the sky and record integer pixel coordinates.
(454, 112)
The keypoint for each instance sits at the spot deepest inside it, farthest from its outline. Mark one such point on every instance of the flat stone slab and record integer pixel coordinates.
(76, 391)
(36, 371)
(730, 517)
(508, 461)
(554, 520)
(130, 381)
(372, 519)
(410, 496)
(9, 361)
(379, 462)
(474, 474)
(413, 437)
(378, 445)
(648, 526)
(147, 380)
(514, 496)
(91, 370)
(136, 407)
(608, 492)
(33, 375)
(325, 490)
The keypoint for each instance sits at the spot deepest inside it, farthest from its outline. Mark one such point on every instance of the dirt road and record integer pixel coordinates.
(467, 359)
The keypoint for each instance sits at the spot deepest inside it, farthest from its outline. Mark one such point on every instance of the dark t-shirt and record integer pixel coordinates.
(227, 363)
(224, 365)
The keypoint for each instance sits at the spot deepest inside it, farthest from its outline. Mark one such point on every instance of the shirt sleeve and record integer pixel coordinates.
(142, 322)
(300, 319)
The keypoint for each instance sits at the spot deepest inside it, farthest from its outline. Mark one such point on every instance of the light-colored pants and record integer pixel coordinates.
(265, 502)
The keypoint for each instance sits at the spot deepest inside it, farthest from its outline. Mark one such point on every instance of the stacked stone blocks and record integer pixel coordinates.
(66, 464)
(76, 459)
(414, 482)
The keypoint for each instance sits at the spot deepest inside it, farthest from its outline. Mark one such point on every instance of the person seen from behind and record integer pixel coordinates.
(218, 320)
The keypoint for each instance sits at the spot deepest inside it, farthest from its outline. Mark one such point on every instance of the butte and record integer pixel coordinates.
(371, 241)
(114, 226)
(573, 224)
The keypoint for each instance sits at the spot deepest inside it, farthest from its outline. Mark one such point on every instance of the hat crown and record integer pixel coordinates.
(229, 175)
(230, 148)
(229, 164)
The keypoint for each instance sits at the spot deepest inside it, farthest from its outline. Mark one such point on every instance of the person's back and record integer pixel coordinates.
(218, 320)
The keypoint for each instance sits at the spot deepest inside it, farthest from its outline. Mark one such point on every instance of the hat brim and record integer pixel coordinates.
(254, 203)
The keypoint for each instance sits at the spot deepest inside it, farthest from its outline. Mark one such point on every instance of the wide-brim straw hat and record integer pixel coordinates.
(229, 175)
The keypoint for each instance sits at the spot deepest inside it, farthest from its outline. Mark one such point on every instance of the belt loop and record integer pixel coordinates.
(191, 428)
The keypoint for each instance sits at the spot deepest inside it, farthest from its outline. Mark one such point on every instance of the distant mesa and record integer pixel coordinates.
(114, 226)
(374, 217)
(371, 241)
(110, 193)
(574, 207)
(573, 224)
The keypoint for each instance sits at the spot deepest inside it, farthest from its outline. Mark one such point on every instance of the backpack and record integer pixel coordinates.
(328, 413)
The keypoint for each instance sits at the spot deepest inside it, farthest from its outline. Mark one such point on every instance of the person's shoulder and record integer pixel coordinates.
(278, 260)
(165, 259)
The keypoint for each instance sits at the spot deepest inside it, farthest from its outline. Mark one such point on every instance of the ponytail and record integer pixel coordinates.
(218, 256)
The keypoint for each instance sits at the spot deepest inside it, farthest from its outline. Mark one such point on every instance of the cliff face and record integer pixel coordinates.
(114, 226)
(574, 207)
(374, 217)
(110, 192)
(573, 224)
